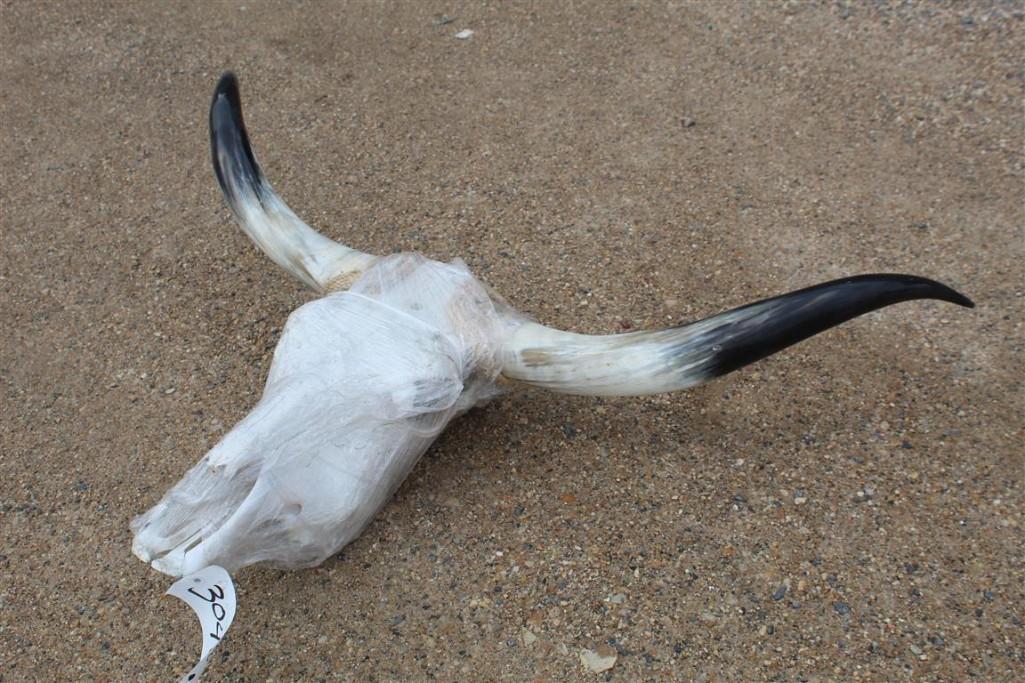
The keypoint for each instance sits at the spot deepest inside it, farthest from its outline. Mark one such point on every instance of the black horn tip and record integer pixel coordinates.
(895, 287)
(232, 155)
(869, 292)
(228, 83)
(750, 333)
(944, 293)
(226, 105)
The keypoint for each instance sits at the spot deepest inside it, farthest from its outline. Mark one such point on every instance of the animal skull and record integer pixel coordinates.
(364, 379)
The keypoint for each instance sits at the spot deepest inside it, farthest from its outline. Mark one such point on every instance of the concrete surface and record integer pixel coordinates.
(851, 509)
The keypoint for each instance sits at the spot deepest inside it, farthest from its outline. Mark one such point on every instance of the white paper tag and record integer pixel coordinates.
(211, 595)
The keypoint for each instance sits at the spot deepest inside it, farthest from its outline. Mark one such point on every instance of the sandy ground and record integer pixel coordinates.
(852, 509)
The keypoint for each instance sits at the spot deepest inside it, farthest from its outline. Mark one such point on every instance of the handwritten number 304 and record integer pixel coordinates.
(216, 593)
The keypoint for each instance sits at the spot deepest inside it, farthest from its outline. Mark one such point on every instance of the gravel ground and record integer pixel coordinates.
(851, 509)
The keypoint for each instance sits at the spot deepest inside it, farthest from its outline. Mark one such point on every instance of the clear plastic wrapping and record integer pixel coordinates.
(361, 383)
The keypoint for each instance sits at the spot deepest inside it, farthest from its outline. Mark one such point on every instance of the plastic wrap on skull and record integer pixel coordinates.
(361, 383)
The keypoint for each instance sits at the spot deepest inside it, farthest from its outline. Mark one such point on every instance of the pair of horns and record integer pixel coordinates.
(609, 365)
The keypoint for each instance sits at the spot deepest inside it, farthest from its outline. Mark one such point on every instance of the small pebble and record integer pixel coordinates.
(598, 661)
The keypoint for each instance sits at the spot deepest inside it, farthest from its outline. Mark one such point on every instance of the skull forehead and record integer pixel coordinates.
(406, 323)
(425, 289)
(348, 336)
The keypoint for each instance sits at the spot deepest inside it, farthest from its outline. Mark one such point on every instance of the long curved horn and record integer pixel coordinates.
(639, 363)
(279, 233)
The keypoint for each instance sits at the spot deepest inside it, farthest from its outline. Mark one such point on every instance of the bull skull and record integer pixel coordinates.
(365, 378)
